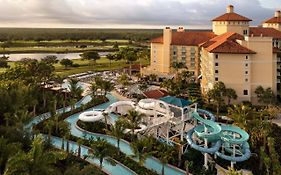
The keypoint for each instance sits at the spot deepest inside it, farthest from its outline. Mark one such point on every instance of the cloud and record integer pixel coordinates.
(99, 13)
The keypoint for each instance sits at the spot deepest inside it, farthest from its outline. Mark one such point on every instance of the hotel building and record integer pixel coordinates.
(241, 56)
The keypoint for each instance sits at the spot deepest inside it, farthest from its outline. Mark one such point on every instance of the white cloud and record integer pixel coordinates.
(100, 13)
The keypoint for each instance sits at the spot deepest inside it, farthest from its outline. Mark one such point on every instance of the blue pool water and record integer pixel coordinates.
(150, 163)
(107, 166)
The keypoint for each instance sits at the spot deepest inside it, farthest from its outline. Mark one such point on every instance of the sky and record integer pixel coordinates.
(128, 13)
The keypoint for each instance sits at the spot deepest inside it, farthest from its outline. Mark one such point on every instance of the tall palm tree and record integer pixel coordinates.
(110, 57)
(37, 161)
(100, 150)
(134, 119)
(75, 90)
(130, 55)
(142, 149)
(117, 131)
(230, 94)
(165, 153)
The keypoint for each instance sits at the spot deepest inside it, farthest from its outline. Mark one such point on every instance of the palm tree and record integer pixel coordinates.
(142, 149)
(117, 131)
(134, 119)
(7, 150)
(100, 150)
(80, 142)
(230, 94)
(130, 55)
(165, 153)
(107, 86)
(75, 91)
(37, 161)
(105, 116)
(110, 57)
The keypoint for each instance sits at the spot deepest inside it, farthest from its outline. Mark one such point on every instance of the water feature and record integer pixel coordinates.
(37, 56)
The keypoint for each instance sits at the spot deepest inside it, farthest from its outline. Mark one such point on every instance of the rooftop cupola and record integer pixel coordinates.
(278, 14)
(230, 9)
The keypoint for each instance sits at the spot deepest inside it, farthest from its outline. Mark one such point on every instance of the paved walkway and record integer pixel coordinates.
(119, 96)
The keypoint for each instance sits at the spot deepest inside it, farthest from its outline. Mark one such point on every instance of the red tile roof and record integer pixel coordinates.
(231, 17)
(266, 32)
(226, 43)
(156, 94)
(273, 20)
(157, 40)
(189, 38)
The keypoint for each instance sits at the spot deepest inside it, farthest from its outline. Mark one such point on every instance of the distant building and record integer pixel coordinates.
(241, 56)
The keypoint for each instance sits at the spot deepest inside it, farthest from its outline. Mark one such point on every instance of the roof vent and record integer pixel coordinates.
(278, 14)
(230, 9)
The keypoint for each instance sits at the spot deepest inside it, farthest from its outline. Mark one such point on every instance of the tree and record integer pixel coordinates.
(230, 94)
(75, 89)
(107, 86)
(217, 95)
(134, 119)
(142, 148)
(165, 153)
(265, 96)
(130, 55)
(7, 150)
(124, 80)
(3, 63)
(50, 59)
(66, 63)
(177, 66)
(117, 131)
(100, 150)
(37, 161)
(110, 57)
(92, 56)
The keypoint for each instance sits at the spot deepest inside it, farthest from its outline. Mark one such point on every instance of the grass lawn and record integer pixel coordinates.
(66, 41)
(84, 66)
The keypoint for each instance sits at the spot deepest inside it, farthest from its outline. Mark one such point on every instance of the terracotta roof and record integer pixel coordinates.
(157, 40)
(231, 17)
(156, 94)
(273, 20)
(189, 38)
(226, 43)
(266, 32)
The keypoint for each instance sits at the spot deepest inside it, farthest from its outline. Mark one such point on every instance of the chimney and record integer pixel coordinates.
(167, 36)
(230, 9)
(180, 29)
(278, 14)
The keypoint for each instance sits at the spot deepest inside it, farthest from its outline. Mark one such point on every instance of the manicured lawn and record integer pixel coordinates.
(84, 66)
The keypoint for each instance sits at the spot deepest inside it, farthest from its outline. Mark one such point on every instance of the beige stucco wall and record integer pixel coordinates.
(272, 25)
(221, 27)
(242, 71)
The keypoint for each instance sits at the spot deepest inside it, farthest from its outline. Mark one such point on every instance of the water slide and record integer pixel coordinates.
(150, 163)
(97, 114)
(223, 138)
(207, 129)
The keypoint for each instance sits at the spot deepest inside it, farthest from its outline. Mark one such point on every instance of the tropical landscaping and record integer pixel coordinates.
(25, 93)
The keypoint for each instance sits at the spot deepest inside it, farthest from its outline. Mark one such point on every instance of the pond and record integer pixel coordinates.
(18, 57)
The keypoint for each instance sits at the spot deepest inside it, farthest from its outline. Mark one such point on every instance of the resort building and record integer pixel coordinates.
(241, 56)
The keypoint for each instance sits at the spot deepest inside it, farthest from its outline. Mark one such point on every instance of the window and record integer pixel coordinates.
(245, 92)
(245, 32)
(246, 57)
(246, 80)
(217, 56)
(246, 72)
(246, 65)
(175, 52)
(216, 64)
(216, 79)
(216, 71)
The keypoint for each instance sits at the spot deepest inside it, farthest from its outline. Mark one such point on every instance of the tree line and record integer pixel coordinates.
(41, 34)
